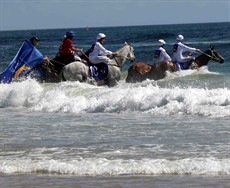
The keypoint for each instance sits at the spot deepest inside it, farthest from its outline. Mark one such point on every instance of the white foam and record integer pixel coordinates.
(20, 94)
(145, 97)
(103, 166)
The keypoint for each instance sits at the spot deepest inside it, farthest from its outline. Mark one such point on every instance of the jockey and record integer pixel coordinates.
(98, 53)
(42, 67)
(160, 53)
(179, 48)
(34, 41)
(66, 50)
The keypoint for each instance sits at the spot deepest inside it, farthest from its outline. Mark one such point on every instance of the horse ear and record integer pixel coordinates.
(211, 47)
(126, 43)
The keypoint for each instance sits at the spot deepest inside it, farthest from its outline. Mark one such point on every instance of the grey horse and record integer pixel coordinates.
(78, 71)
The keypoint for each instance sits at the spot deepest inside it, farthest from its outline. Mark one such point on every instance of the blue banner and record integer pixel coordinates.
(26, 58)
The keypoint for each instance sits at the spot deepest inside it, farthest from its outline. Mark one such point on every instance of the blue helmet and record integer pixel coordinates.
(70, 34)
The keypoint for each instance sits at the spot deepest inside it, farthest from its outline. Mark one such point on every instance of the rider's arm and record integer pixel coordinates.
(187, 48)
(103, 50)
(77, 49)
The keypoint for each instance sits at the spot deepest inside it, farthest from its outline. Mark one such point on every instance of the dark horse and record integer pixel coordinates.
(49, 70)
(141, 71)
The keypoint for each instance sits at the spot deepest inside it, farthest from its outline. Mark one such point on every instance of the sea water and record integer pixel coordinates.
(174, 132)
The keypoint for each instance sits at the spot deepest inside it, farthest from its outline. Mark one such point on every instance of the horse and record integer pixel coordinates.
(79, 71)
(141, 71)
(43, 72)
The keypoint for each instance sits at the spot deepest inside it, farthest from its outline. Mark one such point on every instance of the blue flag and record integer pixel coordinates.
(26, 58)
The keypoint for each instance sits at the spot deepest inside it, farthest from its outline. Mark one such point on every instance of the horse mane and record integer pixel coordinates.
(125, 44)
(203, 59)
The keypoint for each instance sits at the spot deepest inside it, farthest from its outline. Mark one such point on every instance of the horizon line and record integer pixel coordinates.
(87, 26)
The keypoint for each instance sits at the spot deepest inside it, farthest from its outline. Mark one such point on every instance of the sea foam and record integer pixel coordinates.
(103, 166)
(146, 97)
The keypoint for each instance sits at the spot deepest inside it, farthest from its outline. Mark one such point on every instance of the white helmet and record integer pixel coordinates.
(161, 42)
(180, 38)
(100, 36)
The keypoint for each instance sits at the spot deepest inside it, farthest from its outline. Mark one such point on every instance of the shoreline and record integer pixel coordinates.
(172, 181)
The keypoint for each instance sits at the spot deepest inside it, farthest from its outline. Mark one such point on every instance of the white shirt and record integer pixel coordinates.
(99, 50)
(163, 56)
(178, 55)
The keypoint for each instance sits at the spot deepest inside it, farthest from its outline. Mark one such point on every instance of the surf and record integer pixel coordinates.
(165, 97)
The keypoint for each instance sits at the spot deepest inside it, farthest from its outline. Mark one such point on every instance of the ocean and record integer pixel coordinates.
(173, 132)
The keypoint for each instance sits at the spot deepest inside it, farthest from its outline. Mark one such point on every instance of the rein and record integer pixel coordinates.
(212, 57)
(85, 54)
(57, 62)
(119, 55)
(114, 57)
(131, 59)
(115, 65)
(108, 63)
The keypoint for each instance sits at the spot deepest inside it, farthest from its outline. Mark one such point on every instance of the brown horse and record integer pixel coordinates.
(141, 71)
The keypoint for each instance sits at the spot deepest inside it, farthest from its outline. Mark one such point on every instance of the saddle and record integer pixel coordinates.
(183, 66)
(98, 71)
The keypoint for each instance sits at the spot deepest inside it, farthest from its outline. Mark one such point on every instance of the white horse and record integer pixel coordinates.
(78, 71)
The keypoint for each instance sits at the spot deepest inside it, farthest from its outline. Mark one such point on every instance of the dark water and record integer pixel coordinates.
(144, 39)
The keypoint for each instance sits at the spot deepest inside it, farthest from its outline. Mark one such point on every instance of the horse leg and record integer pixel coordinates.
(114, 75)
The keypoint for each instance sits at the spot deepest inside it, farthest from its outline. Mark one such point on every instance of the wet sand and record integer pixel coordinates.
(57, 181)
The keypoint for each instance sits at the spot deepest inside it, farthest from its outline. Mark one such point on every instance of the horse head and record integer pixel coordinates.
(208, 55)
(130, 50)
(125, 53)
(215, 55)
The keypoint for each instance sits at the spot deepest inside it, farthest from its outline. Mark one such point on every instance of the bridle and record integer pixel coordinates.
(125, 57)
(197, 63)
(213, 56)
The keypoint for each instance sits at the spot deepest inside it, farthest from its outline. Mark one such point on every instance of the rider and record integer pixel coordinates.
(34, 41)
(160, 53)
(178, 48)
(98, 53)
(41, 69)
(66, 50)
